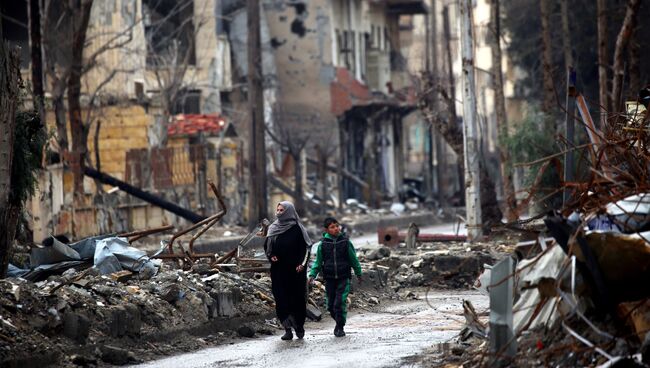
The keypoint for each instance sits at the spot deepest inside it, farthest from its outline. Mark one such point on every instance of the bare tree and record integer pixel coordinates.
(9, 82)
(81, 10)
(634, 54)
(68, 60)
(171, 52)
(566, 40)
(548, 99)
(34, 13)
(452, 132)
(502, 120)
(294, 142)
(623, 39)
(603, 56)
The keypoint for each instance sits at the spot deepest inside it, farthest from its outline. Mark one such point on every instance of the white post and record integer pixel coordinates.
(470, 120)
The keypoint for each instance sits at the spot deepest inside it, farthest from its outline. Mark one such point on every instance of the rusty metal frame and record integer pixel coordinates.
(206, 223)
(136, 235)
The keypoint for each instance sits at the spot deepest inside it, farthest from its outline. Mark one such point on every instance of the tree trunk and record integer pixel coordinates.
(570, 105)
(472, 150)
(451, 99)
(77, 128)
(566, 33)
(603, 98)
(453, 134)
(34, 11)
(548, 97)
(258, 205)
(635, 64)
(9, 80)
(502, 120)
(58, 90)
(450, 66)
(623, 39)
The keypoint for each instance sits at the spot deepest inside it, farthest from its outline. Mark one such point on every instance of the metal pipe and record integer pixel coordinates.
(145, 196)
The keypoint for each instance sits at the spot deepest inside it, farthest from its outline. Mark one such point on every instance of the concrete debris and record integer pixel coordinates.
(245, 331)
(102, 295)
(102, 311)
(116, 356)
(583, 298)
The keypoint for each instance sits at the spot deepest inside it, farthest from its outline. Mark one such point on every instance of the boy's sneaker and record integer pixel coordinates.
(338, 331)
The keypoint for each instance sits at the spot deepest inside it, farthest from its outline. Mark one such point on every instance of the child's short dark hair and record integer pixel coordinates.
(328, 221)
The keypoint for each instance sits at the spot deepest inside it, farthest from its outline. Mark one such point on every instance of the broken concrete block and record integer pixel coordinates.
(379, 253)
(171, 293)
(82, 360)
(124, 320)
(121, 276)
(76, 327)
(225, 303)
(202, 268)
(115, 355)
(245, 331)
(314, 313)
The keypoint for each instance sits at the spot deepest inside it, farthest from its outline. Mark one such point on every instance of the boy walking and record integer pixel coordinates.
(335, 257)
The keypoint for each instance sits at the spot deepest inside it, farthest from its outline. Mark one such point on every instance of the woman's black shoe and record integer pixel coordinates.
(300, 332)
(288, 335)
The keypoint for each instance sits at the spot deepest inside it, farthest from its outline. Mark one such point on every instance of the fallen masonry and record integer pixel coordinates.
(81, 316)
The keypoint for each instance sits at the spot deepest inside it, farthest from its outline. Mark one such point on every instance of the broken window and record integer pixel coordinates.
(187, 102)
(169, 30)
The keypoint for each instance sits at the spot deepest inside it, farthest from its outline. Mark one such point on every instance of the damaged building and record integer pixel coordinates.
(338, 65)
(168, 80)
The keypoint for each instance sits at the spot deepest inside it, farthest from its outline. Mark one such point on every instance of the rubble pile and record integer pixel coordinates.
(583, 298)
(59, 320)
(442, 265)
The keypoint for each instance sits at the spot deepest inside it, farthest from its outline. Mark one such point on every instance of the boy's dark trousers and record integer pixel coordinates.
(337, 291)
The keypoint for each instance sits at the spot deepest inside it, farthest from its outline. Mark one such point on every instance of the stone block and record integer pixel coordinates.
(124, 320)
(115, 355)
(76, 327)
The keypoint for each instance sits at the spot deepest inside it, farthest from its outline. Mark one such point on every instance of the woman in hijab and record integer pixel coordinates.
(287, 247)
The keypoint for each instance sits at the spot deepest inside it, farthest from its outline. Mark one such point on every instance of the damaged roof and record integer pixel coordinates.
(191, 124)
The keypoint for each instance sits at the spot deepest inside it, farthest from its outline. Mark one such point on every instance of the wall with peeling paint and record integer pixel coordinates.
(301, 45)
(122, 22)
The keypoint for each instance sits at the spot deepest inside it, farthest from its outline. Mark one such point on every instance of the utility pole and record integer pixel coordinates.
(470, 118)
(257, 201)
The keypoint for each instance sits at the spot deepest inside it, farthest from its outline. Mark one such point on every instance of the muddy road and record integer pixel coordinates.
(374, 339)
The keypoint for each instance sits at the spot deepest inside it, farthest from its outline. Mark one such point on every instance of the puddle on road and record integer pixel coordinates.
(373, 339)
